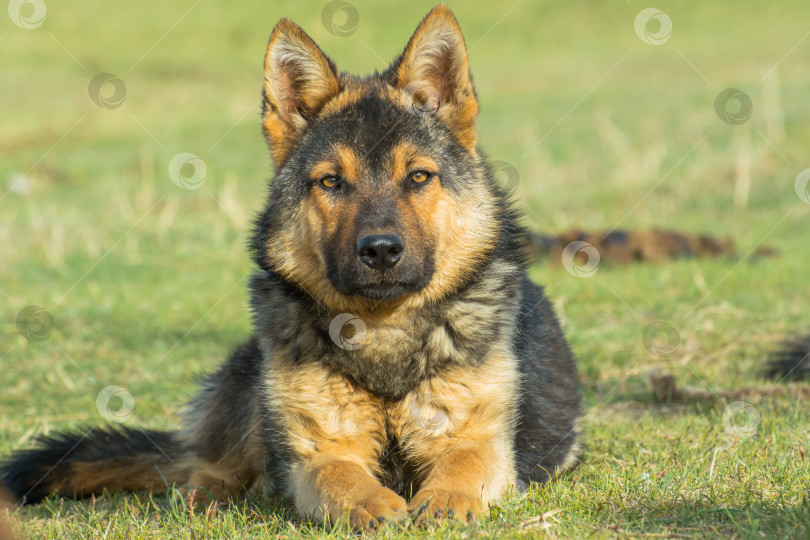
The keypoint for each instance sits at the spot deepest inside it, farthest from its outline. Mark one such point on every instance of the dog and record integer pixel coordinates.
(402, 363)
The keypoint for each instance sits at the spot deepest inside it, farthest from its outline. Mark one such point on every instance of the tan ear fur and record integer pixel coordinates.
(435, 64)
(299, 80)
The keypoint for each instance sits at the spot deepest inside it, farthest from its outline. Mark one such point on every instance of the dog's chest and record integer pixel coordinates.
(391, 362)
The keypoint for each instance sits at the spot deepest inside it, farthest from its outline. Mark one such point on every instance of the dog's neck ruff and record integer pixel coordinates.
(391, 358)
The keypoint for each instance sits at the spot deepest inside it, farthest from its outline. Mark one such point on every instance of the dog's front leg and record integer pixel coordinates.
(329, 486)
(334, 432)
(462, 482)
(459, 427)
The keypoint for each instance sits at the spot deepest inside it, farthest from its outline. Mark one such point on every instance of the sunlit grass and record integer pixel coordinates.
(146, 283)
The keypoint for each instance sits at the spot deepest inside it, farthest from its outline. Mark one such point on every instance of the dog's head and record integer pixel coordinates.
(380, 195)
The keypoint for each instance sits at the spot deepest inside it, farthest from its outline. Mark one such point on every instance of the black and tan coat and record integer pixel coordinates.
(457, 382)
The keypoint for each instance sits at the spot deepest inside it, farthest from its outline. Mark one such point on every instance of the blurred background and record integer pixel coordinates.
(607, 114)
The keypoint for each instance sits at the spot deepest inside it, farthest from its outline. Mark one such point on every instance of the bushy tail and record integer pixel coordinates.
(79, 464)
(792, 361)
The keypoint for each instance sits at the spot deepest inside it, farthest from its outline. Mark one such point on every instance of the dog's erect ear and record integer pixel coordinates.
(434, 70)
(298, 80)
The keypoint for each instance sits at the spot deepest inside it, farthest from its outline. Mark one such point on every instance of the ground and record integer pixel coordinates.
(603, 123)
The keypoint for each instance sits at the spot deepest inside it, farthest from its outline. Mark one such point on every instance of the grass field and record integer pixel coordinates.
(145, 281)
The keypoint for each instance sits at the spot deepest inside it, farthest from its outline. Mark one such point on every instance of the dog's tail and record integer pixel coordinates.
(79, 464)
(791, 361)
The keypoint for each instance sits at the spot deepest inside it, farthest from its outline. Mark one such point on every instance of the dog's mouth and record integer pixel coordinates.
(360, 282)
(385, 291)
(381, 291)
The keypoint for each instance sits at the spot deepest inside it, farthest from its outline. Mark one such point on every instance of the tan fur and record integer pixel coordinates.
(436, 55)
(7, 522)
(299, 80)
(214, 476)
(231, 476)
(323, 217)
(330, 424)
(198, 479)
(406, 158)
(429, 399)
(464, 237)
(351, 92)
(459, 427)
(572, 459)
(456, 427)
(219, 482)
(91, 478)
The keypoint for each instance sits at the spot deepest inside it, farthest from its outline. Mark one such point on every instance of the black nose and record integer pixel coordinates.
(380, 251)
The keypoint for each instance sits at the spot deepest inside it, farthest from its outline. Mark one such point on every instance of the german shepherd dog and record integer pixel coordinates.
(400, 350)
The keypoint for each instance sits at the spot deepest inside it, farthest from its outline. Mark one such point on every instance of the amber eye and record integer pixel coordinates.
(329, 181)
(420, 176)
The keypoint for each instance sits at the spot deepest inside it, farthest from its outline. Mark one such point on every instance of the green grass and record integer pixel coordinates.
(145, 281)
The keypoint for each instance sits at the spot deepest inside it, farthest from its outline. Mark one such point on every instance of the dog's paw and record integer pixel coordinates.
(205, 488)
(377, 507)
(205, 497)
(430, 504)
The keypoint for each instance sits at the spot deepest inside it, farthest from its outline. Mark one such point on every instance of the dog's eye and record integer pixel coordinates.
(329, 182)
(420, 177)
